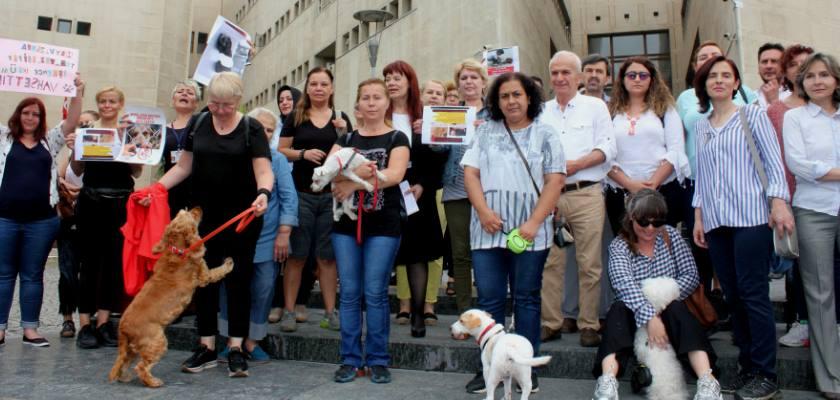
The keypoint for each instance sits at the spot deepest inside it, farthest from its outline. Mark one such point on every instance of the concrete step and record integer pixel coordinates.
(439, 352)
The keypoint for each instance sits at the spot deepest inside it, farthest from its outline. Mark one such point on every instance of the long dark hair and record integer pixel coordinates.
(15, 125)
(413, 103)
(658, 97)
(302, 107)
(644, 205)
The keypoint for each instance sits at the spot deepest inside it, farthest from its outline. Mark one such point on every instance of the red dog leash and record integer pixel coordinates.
(244, 218)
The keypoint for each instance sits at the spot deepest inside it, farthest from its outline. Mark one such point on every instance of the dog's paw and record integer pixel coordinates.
(153, 382)
(125, 377)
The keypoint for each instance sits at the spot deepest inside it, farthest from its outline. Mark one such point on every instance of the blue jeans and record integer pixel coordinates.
(364, 270)
(741, 257)
(494, 270)
(24, 247)
(262, 291)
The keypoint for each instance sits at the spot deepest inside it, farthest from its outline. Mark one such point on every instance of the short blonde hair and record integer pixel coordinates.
(188, 83)
(262, 111)
(470, 64)
(450, 86)
(225, 85)
(110, 89)
(436, 82)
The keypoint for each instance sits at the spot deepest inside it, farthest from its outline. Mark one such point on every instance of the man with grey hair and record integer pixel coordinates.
(596, 76)
(585, 129)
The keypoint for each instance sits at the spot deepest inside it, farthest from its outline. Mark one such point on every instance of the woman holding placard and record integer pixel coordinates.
(28, 196)
(101, 212)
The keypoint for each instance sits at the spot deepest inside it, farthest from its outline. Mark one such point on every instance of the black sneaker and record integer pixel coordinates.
(237, 364)
(86, 339)
(37, 342)
(202, 358)
(758, 388)
(380, 374)
(476, 385)
(535, 383)
(106, 335)
(345, 373)
(732, 385)
(68, 329)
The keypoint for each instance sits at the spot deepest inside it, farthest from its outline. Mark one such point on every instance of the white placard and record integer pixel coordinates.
(139, 140)
(501, 60)
(38, 68)
(408, 198)
(227, 50)
(448, 125)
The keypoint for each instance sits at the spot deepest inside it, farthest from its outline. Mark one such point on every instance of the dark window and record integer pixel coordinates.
(45, 23)
(64, 25)
(656, 46)
(83, 28)
(202, 42)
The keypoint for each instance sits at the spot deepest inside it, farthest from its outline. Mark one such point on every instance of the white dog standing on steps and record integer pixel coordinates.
(668, 381)
(505, 357)
(344, 162)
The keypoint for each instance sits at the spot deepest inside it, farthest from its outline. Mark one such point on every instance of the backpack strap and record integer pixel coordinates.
(198, 121)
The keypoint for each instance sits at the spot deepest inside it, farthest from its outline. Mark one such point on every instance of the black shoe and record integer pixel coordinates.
(68, 329)
(237, 365)
(37, 342)
(86, 339)
(3, 341)
(106, 335)
(202, 358)
(732, 385)
(345, 373)
(380, 374)
(535, 383)
(758, 388)
(476, 384)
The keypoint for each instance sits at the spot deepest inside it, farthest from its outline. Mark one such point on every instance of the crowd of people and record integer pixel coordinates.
(693, 188)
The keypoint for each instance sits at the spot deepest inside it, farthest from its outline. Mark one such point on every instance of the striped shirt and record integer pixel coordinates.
(508, 189)
(453, 172)
(627, 270)
(728, 190)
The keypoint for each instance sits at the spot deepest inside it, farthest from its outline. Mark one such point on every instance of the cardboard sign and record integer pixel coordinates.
(448, 125)
(139, 140)
(38, 68)
(227, 50)
(501, 60)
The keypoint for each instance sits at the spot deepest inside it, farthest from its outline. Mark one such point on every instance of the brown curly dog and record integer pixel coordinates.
(163, 297)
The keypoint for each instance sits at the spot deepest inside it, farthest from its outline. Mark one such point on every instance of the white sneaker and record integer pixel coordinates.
(606, 389)
(797, 336)
(300, 313)
(708, 388)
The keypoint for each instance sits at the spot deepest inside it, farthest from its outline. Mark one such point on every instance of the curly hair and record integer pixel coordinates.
(790, 53)
(531, 90)
(658, 97)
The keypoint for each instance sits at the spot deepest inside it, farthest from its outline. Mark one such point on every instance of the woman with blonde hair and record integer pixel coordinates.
(185, 98)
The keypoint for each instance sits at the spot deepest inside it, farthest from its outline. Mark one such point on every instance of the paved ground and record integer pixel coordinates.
(63, 371)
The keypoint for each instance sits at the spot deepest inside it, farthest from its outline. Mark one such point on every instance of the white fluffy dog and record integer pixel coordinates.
(342, 162)
(668, 380)
(504, 356)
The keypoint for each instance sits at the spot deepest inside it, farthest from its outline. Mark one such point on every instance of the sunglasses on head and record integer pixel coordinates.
(643, 76)
(657, 223)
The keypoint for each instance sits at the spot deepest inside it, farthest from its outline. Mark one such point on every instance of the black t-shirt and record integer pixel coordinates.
(223, 182)
(308, 136)
(108, 175)
(25, 190)
(176, 140)
(385, 218)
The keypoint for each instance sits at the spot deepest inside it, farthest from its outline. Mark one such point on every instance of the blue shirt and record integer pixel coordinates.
(627, 270)
(688, 108)
(282, 207)
(728, 189)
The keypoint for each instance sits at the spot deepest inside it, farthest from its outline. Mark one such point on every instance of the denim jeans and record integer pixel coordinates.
(494, 270)
(364, 270)
(262, 290)
(741, 257)
(24, 247)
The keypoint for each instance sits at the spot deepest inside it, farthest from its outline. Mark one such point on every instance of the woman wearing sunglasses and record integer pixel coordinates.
(649, 138)
(648, 248)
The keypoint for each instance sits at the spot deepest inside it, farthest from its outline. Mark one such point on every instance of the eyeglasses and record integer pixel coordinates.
(220, 106)
(643, 76)
(657, 223)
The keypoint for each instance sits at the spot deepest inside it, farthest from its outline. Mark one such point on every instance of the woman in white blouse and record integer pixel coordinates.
(649, 138)
(812, 152)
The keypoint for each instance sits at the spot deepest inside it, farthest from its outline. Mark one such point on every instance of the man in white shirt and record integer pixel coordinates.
(596, 76)
(770, 69)
(585, 129)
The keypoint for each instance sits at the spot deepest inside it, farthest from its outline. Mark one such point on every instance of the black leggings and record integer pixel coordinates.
(684, 333)
(418, 276)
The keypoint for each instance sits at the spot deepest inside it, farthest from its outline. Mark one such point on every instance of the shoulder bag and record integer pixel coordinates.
(697, 303)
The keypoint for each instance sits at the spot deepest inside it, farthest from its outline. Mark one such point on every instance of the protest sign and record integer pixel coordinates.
(139, 140)
(501, 60)
(37, 68)
(227, 50)
(448, 125)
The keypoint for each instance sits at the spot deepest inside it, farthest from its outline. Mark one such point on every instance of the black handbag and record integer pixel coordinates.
(640, 377)
(562, 231)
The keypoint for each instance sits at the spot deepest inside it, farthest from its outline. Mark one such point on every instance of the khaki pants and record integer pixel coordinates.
(584, 211)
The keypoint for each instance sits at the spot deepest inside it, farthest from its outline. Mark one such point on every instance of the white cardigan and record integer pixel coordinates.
(53, 142)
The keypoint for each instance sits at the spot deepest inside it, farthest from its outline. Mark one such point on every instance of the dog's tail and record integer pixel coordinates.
(530, 361)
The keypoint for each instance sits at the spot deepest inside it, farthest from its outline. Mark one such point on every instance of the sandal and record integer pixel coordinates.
(403, 317)
(430, 318)
(450, 288)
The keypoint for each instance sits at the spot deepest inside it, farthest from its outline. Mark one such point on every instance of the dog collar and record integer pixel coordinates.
(179, 251)
(343, 167)
(490, 331)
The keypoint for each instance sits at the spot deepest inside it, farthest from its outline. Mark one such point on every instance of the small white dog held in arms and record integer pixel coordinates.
(668, 380)
(504, 356)
(343, 162)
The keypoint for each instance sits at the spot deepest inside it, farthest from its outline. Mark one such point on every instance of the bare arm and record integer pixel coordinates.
(74, 111)
(592, 159)
(285, 148)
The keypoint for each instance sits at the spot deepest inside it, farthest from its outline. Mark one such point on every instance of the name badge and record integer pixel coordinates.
(175, 155)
